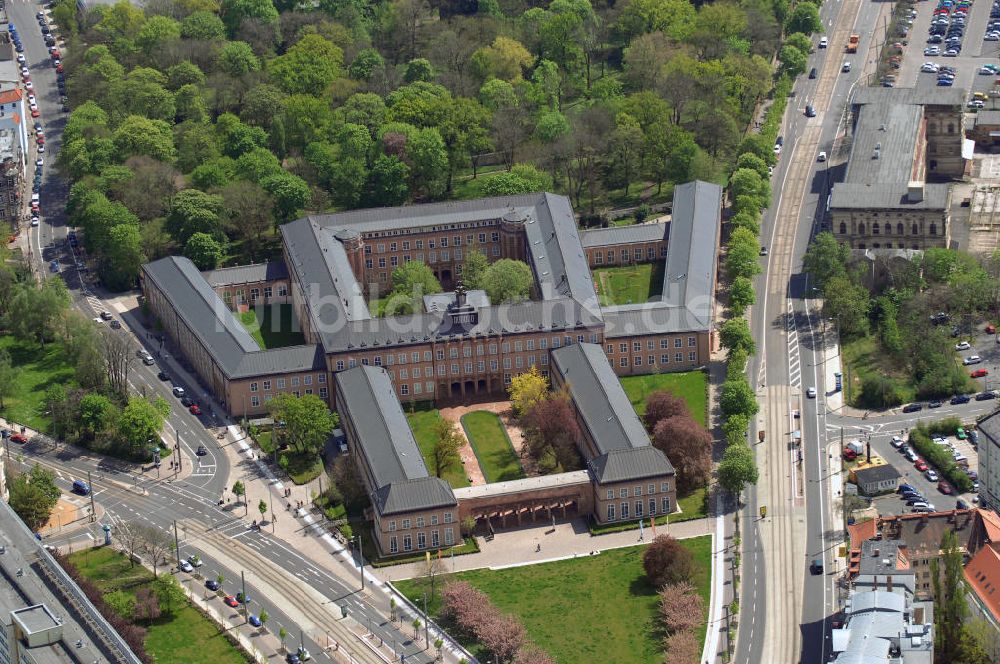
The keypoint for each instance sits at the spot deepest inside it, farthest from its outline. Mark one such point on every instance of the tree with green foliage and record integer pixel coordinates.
(240, 490)
(97, 415)
(474, 268)
(121, 602)
(793, 61)
(193, 211)
(741, 295)
(848, 303)
(737, 468)
(825, 258)
(289, 192)
(156, 33)
(137, 135)
(39, 310)
(520, 179)
(203, 25)
(308, 421)
(737, 397)
(948, 583)
(735, 428)
(308, 67)
(507, 280)
(742, 254)
(169, 592)
(203, 251)
(235, 12)
(365, 64)
(238, 59)
(735, 335)
(33, 495)
(410, 282)
(447, 443)
(387, 182)
(121, 258)
(804, 18)
(140, 422)
(262, 508)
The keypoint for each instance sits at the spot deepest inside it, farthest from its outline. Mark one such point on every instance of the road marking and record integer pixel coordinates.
(794, 363)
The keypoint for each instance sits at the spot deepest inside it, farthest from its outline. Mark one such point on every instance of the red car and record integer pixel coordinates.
(40, 140)
(35, 113)
(19, 438)
(920, 465)
(991, 329)
(979, 373)
(195, 409)
(230, 601)
(850, 454)
(59, 68)
(944, 488)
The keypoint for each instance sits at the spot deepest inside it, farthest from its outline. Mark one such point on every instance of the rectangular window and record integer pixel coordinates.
(664, 487)
(407, 543)
(448, 517)
(281, 383)
(418, 388)
(664, 343)
(468, 367)
(393, 545)
(392, 526)
(677, 343)
(295, 381)
(665, 502)
(392, 246)
(692, 341)
(420, 522)
(506, 363)
(253, 387)
(651, 489)
(638, 509)
(406, 245)
(442, 370)
(623, 362)
(267, 386)
(518, 346)
(664, 359)
(495, 237)
(454, 368)
(611, 512)
(308, 379)
(623, 348)
(435, 539)
(452, 353)
(439, 354)
(545, 360)
(638, 360)
(599, 258)
(467, 351)
(404, 389)
(323, 393)
(651, 359)
(444, 242)
(611, 494)
(434, 519)
(611, 349)
(678, 357)
(623, 492)
(518, 362)
(449, 537)
(650, 344)
(420, 245)
(493, 365)
(340, 367)
(543, 343)
(506, 347)
(267, 292)
(427, 356)
(404, 374)
(254, 401)
(406, 524)
(381, 248)
(624, 510)
(482, 238)
(429, 386)
(636, 346)
(652, 506)
(444, 256)
(282, 289)
(493, 349)
(381, 262)
(555, 342)
(692, 356)
(417, 373)
(394, 261)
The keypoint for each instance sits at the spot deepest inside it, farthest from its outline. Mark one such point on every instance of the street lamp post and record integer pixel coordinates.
(361, 560)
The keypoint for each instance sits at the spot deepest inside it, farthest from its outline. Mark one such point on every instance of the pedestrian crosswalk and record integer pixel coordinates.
(794, 364)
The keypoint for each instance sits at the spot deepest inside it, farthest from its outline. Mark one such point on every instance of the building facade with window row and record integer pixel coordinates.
(454, 352)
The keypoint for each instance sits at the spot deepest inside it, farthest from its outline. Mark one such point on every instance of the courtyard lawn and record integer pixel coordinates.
(629, 284)
(691, 385)
(187, 636)
(422, 421)
(497, 458)
(39, 368)
(590, 609)
(273, 326)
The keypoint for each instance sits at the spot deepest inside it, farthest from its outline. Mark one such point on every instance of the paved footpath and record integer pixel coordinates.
(542, 543)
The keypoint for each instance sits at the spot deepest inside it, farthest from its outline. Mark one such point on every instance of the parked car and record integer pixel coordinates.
(972, 359)
(81, 487)
(212, 584)
(959, 399)
(931, 474)
(185, 566)
(254, 620)
(230, 601)
(979, 373)
(963, 345)
(945, 488)
(913, 407)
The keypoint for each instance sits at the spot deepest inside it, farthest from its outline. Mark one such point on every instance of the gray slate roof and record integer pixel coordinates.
(688, 294)
(246, 274)
(630, 464)
(987, 117)
(602, 237)
(208, 317)
(599, 397)
(855, 196)
(934, 96)
(893, 130)
(366, 398)
(877, 473)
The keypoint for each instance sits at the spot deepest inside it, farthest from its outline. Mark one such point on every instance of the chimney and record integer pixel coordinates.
(869, 455)
(888, 583)
(915, 191)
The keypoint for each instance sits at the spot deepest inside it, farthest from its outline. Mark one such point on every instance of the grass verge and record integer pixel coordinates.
(557, 602)
(692, 386)
(496, 455)
(629, 284)
(273, 326)
(422, 423)
(39, 368)
(184, 637)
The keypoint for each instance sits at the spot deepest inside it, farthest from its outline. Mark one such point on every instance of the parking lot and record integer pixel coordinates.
(975, 51)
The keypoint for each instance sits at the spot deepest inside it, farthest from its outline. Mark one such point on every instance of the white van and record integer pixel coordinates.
(823, 42)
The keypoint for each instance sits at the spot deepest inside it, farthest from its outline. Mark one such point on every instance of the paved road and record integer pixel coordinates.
(783, 608)
(194, 500)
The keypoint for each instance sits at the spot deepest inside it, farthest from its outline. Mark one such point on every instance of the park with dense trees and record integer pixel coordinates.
(199, 126)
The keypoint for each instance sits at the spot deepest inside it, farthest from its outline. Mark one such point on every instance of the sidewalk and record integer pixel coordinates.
(567, 540)
(301, 529)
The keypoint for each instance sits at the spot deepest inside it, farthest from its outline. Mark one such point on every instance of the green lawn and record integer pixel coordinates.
(592, 609)
(38, 369)
(691, 385)
(273, 326)
(184, 637)
(489, 440)
(629, 284)
(422, 422)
